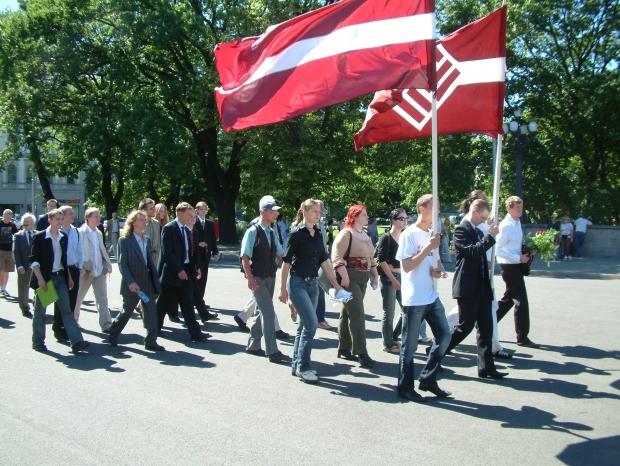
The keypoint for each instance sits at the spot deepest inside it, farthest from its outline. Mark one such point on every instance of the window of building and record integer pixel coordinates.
(11, 174)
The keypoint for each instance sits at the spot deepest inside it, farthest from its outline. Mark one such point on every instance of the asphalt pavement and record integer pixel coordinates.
(211, 403)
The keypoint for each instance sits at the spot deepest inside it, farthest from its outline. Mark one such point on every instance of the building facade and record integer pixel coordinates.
(21, 192)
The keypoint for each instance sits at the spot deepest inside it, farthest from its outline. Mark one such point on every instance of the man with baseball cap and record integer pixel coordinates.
(259, 249)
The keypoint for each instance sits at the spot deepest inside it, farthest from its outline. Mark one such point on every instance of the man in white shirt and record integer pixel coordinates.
(74, 264)
(510, 257)
(421, 301)
(95, 267)
(581, 227)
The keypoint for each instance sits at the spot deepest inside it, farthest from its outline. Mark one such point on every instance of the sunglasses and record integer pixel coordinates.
(402, 219)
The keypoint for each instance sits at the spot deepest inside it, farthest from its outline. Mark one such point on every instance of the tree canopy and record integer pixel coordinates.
(123, 89)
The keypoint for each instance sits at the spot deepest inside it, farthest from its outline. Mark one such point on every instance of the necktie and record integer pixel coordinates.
(29, 238)
(479, 234)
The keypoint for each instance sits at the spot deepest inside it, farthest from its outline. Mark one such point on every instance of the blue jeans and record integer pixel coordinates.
(320, 307)
(580, 237)
(68, 320)
(304, 296)
(435, 315)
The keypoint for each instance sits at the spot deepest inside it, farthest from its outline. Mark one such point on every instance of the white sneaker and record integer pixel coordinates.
(308, 376)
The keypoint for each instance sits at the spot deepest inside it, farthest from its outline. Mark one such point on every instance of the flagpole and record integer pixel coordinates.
(435, 172)
(497, 177)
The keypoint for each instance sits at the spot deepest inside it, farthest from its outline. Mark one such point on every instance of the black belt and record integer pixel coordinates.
(60, 273)
(306, 279)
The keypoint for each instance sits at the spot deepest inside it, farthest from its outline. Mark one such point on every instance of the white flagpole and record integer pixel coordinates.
(497, 181)
(435, 155)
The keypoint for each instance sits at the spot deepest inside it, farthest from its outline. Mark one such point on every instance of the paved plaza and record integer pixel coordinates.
(211, 403)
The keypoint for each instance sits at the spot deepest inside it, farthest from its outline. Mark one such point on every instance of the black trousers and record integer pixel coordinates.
(476, 311)
(182, 295)
(516, 295)
(199, 289)
(58, 326)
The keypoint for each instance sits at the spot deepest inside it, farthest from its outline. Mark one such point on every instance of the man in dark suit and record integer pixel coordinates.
(204, 236)
(140, 281)
(49, 263)
(177, 271)
(22, 245)
(471, 286)
(42, 222)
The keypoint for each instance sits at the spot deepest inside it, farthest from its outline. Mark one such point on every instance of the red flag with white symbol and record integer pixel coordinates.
(471, 65)
(324, 57)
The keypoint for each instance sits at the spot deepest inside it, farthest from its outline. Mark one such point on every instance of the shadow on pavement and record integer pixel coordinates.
(601, 451)
(90, 361)
(528, 417)
(552, 368)
(5, 323)
(556, 387)
(586, 352)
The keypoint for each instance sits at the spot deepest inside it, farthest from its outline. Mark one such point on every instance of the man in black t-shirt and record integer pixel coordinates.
(7, 264)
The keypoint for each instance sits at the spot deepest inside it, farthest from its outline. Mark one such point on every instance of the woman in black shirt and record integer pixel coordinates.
(304, 255)
(389, 271)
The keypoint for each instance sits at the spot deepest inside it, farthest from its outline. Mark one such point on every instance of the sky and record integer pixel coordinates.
(10, 4)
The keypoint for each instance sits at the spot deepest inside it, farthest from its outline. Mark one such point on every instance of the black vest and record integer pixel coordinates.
(263, 263)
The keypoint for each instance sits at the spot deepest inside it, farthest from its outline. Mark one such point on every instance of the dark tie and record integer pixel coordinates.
(479, 234)
(29, 239)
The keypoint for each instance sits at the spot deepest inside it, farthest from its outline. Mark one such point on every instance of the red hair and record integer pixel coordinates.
(353, 213)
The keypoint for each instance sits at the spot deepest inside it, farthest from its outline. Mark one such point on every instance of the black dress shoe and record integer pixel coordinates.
(201, 338)
(346, 354)
(492, 375)
(279, 358)
(241, 324)
(79, 347)
(154, 347)
(255, 352)
(40, 348)
(175, 319)
(107, 331)
(26, 313)
(282, 335)
(61, 336)
(113, 339)
(434, 389)
(502, 354)
(411, 395)
(365, 361)
(528, 343)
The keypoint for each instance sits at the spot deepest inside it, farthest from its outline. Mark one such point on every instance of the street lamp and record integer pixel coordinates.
(521, 130)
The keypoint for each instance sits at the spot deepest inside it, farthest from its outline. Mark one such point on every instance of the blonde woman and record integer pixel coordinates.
(161, 215)
(305, 253)
(140, 281)
(352, 256)
(95, 267)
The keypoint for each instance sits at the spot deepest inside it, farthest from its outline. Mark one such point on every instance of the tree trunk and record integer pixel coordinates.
(223, 185)
(35, 158)
(111, 199)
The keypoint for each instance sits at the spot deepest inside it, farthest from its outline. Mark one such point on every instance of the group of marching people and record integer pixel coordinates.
(164, 267)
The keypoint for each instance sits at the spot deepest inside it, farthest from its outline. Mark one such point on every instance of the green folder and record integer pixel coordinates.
(47, 297)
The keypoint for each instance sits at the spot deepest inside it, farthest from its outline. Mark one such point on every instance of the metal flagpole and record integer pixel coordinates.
(497, 179)
(436, 229)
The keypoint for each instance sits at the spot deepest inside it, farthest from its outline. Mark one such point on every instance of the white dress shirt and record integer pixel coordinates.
(141, 239)
(96, 252)
(74, 250)
(509, 241)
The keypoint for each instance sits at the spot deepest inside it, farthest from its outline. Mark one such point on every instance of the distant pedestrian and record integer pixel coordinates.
(373, 231)
(22, 248)
(581, 228)
(112, 229)
(7, 264)
(43, 222)
(566, 237)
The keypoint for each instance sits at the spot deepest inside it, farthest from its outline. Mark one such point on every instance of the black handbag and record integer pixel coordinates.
(323, 281)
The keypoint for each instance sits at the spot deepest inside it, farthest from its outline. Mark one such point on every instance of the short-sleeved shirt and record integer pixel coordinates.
(566, 229)
(249, 238)
(7, 230)
(416, 286)
(582, 224)
(386, 251)
(304, 252)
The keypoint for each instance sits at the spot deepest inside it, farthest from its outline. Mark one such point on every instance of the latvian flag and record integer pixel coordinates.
(324, 57)
(471, 65)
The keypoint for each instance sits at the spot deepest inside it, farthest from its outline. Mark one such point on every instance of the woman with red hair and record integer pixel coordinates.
(353, 259)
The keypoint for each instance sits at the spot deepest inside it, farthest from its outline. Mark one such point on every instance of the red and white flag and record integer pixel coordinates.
(324, 57)
(471, 64)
